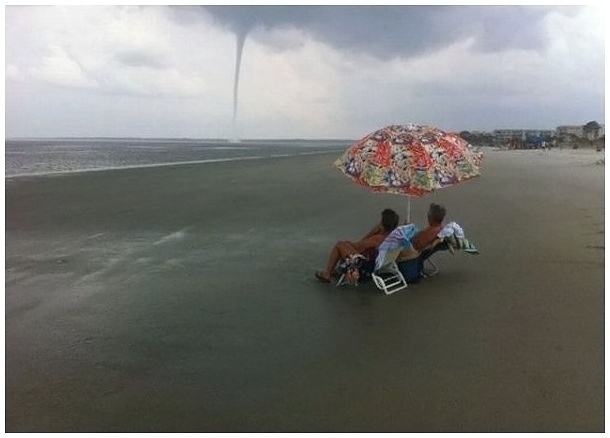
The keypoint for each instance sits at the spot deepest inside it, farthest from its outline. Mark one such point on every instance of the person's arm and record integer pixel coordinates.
(375, 230)
(432, 244)
(419, 245)
(425, 239)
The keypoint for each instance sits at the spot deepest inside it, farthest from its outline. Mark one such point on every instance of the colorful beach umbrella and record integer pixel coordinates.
(410, 160)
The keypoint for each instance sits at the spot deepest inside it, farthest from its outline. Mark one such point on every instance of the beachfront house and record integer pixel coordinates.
(566, 130)
(575, 136)
(522, 138)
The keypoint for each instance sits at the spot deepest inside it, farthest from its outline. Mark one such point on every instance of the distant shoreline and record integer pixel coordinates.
(222, 140)
(164, 164)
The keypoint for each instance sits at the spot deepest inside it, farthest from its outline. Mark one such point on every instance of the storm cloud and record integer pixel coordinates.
(391, 31)
(306, 71)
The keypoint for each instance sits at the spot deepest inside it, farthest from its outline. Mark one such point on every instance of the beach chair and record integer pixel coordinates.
(431, 270)
(428, 267)
(388, 277)
(450, 244)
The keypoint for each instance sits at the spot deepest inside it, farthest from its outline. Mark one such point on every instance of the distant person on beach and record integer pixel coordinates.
(367, 246)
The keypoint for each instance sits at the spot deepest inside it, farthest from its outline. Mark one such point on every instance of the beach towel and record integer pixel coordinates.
(400, 238)
(350, 267)
(454, 235)
(452, 228)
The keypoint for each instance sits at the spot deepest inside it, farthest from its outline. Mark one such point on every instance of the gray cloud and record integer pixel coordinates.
(135, 58)
(393, 31)
(168, 71)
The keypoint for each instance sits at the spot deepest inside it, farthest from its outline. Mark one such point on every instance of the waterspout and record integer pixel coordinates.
(241, 39)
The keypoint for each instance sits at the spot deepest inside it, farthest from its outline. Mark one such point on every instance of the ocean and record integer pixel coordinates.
(48, 156)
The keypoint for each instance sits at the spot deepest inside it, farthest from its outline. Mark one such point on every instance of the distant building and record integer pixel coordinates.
(577, 130)
(521, 134)
(522, 138)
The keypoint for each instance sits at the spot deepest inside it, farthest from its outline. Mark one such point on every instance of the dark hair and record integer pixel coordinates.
(436, 214)
(389, 219)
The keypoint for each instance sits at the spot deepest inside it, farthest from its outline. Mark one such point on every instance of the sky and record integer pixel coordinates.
(306, 71)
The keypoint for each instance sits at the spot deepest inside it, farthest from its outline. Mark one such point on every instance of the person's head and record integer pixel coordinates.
(389, 219)
(436, 214)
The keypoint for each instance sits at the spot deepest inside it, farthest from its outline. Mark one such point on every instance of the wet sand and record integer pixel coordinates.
(183, 299)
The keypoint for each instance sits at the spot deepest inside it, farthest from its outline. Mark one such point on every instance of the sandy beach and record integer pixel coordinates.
(183, 299)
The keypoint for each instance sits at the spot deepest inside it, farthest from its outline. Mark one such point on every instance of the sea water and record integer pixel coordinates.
(43, 156)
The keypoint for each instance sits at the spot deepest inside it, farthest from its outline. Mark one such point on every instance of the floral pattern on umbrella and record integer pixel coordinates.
(410, 160)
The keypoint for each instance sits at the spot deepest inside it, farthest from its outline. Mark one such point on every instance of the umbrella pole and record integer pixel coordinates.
(408, 209)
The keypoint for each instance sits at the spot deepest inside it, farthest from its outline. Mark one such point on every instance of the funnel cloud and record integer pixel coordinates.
(239, 47)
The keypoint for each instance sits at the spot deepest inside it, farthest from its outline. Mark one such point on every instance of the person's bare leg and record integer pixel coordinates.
(333, 259)
(339, 251)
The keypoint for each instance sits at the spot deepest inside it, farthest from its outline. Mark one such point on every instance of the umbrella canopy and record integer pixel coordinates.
(410, 160)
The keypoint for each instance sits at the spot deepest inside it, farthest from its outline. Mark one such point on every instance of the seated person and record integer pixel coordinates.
(367, 246)
(410, 261)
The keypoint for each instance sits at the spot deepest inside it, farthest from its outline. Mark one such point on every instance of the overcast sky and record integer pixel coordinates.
(306, 72)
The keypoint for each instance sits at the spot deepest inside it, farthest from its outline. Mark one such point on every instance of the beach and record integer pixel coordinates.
(182, 298)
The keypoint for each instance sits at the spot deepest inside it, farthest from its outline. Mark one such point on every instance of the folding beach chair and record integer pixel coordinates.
(388, 277)
(451, 244)
(432, 270)
(428, 267)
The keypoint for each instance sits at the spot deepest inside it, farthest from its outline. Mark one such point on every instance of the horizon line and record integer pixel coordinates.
(228, 140)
